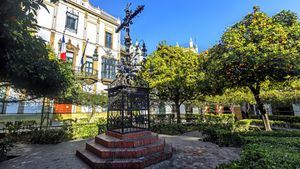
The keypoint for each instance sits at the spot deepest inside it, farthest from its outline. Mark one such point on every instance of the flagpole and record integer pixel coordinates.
(61, 43)
(83, 53)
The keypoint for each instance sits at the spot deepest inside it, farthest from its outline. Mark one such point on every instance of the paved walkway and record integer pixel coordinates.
(189, 154)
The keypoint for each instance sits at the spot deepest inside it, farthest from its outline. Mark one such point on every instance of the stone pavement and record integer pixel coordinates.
(189, 153)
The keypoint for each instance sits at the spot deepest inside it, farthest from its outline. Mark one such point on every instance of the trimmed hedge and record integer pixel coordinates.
(49, 136)
(223, 137)
(267, 150)
(211, 121)
(266, 156)
(173, 129)
(257, 122)
(287, 119)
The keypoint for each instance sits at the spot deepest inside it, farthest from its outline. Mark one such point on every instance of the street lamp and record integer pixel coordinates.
(95, 55)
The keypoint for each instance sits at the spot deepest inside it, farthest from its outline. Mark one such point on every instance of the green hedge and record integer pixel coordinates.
(222, 121)
(266, 150)
(266, 156)
(257, 122)
(287, 119)
(28, 132)
(223, 137)
(49, 136)
(83, 129)
(295, 125)
(173, 129)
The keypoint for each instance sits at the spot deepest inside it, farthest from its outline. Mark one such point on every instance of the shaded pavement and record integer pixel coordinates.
(189, 153)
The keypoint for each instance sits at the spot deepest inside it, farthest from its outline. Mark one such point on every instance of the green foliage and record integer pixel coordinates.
(83, 129)
(172, 129)
(255, 50)
(259, 122)
(175, 74)
(223, 137)
(221, 121)
(279, 133)
(295, 125)
(80, 97)
(286, 18)
(232, 96)
(277, 149)
(274, 93)
(49, 136)
(24, 57)
(28, 131)
(288, 119)
(6, 143)
(92, 99)
(163, 118)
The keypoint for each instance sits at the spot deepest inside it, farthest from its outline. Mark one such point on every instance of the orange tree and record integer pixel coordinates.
(259, 48)
(174, 75)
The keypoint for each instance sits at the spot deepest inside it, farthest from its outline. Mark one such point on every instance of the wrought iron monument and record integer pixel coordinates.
(128, 95)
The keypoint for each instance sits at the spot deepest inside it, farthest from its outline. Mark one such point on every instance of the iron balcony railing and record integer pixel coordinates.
(86, 72)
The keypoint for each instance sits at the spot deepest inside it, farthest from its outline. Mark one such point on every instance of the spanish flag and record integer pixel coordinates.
(63, 50)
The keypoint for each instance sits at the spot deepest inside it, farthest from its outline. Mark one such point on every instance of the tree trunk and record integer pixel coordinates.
(42, 114)
(92, 114)
(177, 110)
(3, 102)
(263, 112)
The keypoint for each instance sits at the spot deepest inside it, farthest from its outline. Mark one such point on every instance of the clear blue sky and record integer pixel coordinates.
(178, 20)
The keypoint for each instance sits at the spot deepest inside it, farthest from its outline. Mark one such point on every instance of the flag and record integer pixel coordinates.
(82, 58)
(63, 50)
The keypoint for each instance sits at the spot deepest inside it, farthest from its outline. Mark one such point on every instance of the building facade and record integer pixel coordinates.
(89, 34)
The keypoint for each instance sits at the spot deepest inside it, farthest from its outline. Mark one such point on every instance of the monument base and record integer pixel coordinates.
(125, 151)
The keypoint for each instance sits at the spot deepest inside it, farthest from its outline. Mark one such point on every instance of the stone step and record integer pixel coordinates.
(113, 142)
(125, 163)
(134, 135)
(105, 152)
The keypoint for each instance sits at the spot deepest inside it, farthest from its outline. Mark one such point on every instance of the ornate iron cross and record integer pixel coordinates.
(126, 68)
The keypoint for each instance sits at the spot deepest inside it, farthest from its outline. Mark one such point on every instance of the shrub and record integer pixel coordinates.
(5, 146)
(279, 133)
(101, 124)
(87, 130)
(163, 118)
(83, 130)
(287, 119)
(222, 121)
(277, 149)
(272, 123)
(295, 125)
(242, 125)
(49, 136)
(171, 129)
(192, 118)
(223, 137)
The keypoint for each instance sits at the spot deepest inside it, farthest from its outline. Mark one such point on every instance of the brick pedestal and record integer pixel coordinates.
(125, 151)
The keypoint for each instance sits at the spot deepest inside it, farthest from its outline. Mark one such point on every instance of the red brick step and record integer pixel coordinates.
(105, 152)
(131, 163)
(134, 135)
(113, 142)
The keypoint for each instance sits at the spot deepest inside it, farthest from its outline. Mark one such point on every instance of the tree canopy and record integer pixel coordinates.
(257, 49)
(175, 75)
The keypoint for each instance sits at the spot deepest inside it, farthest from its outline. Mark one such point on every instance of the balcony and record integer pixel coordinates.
(87, 74)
